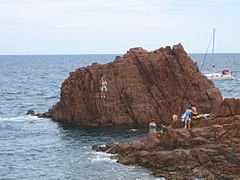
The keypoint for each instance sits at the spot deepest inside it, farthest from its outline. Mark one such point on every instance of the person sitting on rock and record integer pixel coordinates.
(152, 127)
(103, 86)
(187, 118)
(162, 128)
(196, 115)
(194, 112)
(174, 117)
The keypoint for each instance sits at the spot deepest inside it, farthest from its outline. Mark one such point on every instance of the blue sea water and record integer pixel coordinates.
(35, 148)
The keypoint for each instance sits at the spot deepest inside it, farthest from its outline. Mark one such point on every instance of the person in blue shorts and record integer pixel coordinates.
(187, 119)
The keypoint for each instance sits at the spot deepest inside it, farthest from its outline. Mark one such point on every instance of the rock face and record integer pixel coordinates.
(211, 151)
(142, 86)
(229, 107)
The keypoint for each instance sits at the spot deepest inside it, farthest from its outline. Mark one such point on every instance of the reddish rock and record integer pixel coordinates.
(207, 152)
(229, 107)
(142, 86)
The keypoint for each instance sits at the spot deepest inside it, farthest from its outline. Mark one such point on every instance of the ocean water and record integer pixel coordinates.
(35, 148)
(229, 88)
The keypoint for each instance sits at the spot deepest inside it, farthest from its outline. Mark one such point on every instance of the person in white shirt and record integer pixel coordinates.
(152, 127)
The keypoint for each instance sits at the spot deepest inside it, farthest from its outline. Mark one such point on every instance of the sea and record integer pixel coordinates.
(35, 148)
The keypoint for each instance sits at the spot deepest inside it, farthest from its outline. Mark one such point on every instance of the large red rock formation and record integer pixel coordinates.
(210, 151)
(142, 86)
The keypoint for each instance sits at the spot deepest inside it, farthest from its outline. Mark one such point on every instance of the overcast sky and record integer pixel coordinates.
(114, 26)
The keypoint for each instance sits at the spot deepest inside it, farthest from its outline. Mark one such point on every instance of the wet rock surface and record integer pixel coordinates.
(141, 86)
(211, 151)
(30, 112)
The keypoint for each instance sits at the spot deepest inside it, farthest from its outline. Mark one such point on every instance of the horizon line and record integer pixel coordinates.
(54, 54)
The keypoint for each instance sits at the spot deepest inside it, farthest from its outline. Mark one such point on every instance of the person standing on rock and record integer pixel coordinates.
(152, 127)
(103, 87)
(187, 119)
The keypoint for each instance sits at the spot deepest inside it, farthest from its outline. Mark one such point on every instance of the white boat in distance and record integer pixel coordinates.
(226, 74)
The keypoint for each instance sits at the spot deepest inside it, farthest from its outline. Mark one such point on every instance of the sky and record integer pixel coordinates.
(113, 26)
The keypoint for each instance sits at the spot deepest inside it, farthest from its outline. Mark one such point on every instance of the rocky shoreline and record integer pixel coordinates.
(211, 151)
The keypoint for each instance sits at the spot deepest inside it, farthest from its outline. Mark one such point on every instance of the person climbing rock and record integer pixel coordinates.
(103, 87)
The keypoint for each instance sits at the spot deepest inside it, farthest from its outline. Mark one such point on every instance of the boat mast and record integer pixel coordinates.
(214, 30)
(212, 38)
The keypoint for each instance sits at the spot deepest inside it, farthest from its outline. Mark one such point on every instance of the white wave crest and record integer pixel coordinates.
(19, 118)
(101, 156)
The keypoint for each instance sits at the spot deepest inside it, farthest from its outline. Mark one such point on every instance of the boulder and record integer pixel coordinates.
(30, 112)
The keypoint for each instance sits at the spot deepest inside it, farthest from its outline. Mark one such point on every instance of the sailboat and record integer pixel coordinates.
(225, 74)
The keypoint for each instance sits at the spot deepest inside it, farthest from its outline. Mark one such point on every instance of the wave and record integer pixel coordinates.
(101, 156)
(12, 93)
(52, 97)
(19, 118)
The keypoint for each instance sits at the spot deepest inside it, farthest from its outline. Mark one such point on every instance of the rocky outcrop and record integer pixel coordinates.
(142, 86)
(229, 107)
(31, 112)
(223, 115)
(211, 151)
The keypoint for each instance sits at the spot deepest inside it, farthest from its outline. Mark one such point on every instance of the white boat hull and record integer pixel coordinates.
(219, 76)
